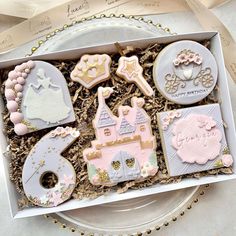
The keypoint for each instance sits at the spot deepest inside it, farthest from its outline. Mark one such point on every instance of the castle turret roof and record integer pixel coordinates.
(126, 127)
(140, 117)
(105, 118)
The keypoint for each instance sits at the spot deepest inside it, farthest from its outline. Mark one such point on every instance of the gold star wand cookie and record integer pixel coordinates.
(130, 70)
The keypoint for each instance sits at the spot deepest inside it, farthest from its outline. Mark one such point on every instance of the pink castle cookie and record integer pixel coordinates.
(124, 148)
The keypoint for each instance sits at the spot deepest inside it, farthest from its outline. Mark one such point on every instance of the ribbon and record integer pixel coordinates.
(211, 23)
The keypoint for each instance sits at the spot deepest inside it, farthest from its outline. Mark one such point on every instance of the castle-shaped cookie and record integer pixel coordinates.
(124, 148)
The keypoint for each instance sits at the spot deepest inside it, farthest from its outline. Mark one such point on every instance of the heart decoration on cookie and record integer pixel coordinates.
(37, 97)
(185, 72)
(92, 70)
(124, 148)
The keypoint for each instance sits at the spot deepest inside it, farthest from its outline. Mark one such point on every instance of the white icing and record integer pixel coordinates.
(45, 100)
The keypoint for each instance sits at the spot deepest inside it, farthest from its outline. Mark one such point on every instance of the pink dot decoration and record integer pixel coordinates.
(21, 80)
(13, 93)
(23, 66)
(24, 75)
(12, 75)
(30, 64)
(18, 73)
(9, 83)
(16, 117)
(18, 68)
(27, 70)
(12, 106)
(10, 94)
(20, 129)
(18, 88)
(19, 95)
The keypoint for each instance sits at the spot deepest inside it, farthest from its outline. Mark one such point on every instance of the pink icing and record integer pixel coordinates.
(9, 83)
(20, 129)
(27, 71)
(10, 94)
(18, 88)
(24, 75)
(13, 93)
(20, 80)
(19, 95)
(196, 139)
(16, 117)
(18, 68)
(227, 160)
(129, 133)
(12, 75)
(12, 106)
(30, 64)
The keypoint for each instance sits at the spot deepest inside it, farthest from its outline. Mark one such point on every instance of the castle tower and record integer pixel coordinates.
(125, 129)
(141, 119)
(105, 122)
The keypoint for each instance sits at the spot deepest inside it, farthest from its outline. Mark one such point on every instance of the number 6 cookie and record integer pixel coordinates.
(44, 158)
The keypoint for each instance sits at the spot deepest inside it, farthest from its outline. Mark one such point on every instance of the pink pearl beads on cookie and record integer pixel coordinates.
(14, 86)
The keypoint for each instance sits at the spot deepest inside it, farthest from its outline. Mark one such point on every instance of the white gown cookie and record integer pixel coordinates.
(37, 97)
(185, 72)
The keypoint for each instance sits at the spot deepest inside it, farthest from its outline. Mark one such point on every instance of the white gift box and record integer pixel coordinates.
(225, 104)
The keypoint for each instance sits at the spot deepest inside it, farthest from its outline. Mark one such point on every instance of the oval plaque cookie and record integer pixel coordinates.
(37, 97)
(185, 72)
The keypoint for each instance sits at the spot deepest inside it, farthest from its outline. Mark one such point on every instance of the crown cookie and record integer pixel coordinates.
(92, 70)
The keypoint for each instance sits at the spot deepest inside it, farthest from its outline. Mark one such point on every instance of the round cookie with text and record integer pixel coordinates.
(185, 72)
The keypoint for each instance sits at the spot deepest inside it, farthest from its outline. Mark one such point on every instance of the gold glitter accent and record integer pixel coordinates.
(130, 162)
(103, 176)
(116, 165)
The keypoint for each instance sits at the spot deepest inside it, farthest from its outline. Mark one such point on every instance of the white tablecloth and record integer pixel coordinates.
(213, 215)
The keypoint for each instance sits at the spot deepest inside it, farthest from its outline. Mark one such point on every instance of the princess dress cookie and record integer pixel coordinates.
(37, 97)
(130, 70)
(185, 72)
(44, 158)
(92, 70)
(124, 148)
(193, 139)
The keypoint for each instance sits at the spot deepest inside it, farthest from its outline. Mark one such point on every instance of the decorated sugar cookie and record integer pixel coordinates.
(185, 72)
(124, 148)
(37, 97)
(92, 70)
(193, 139)
(44, 158)
(130, 70)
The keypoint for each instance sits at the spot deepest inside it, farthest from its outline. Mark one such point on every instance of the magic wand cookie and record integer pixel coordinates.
(130, 70)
